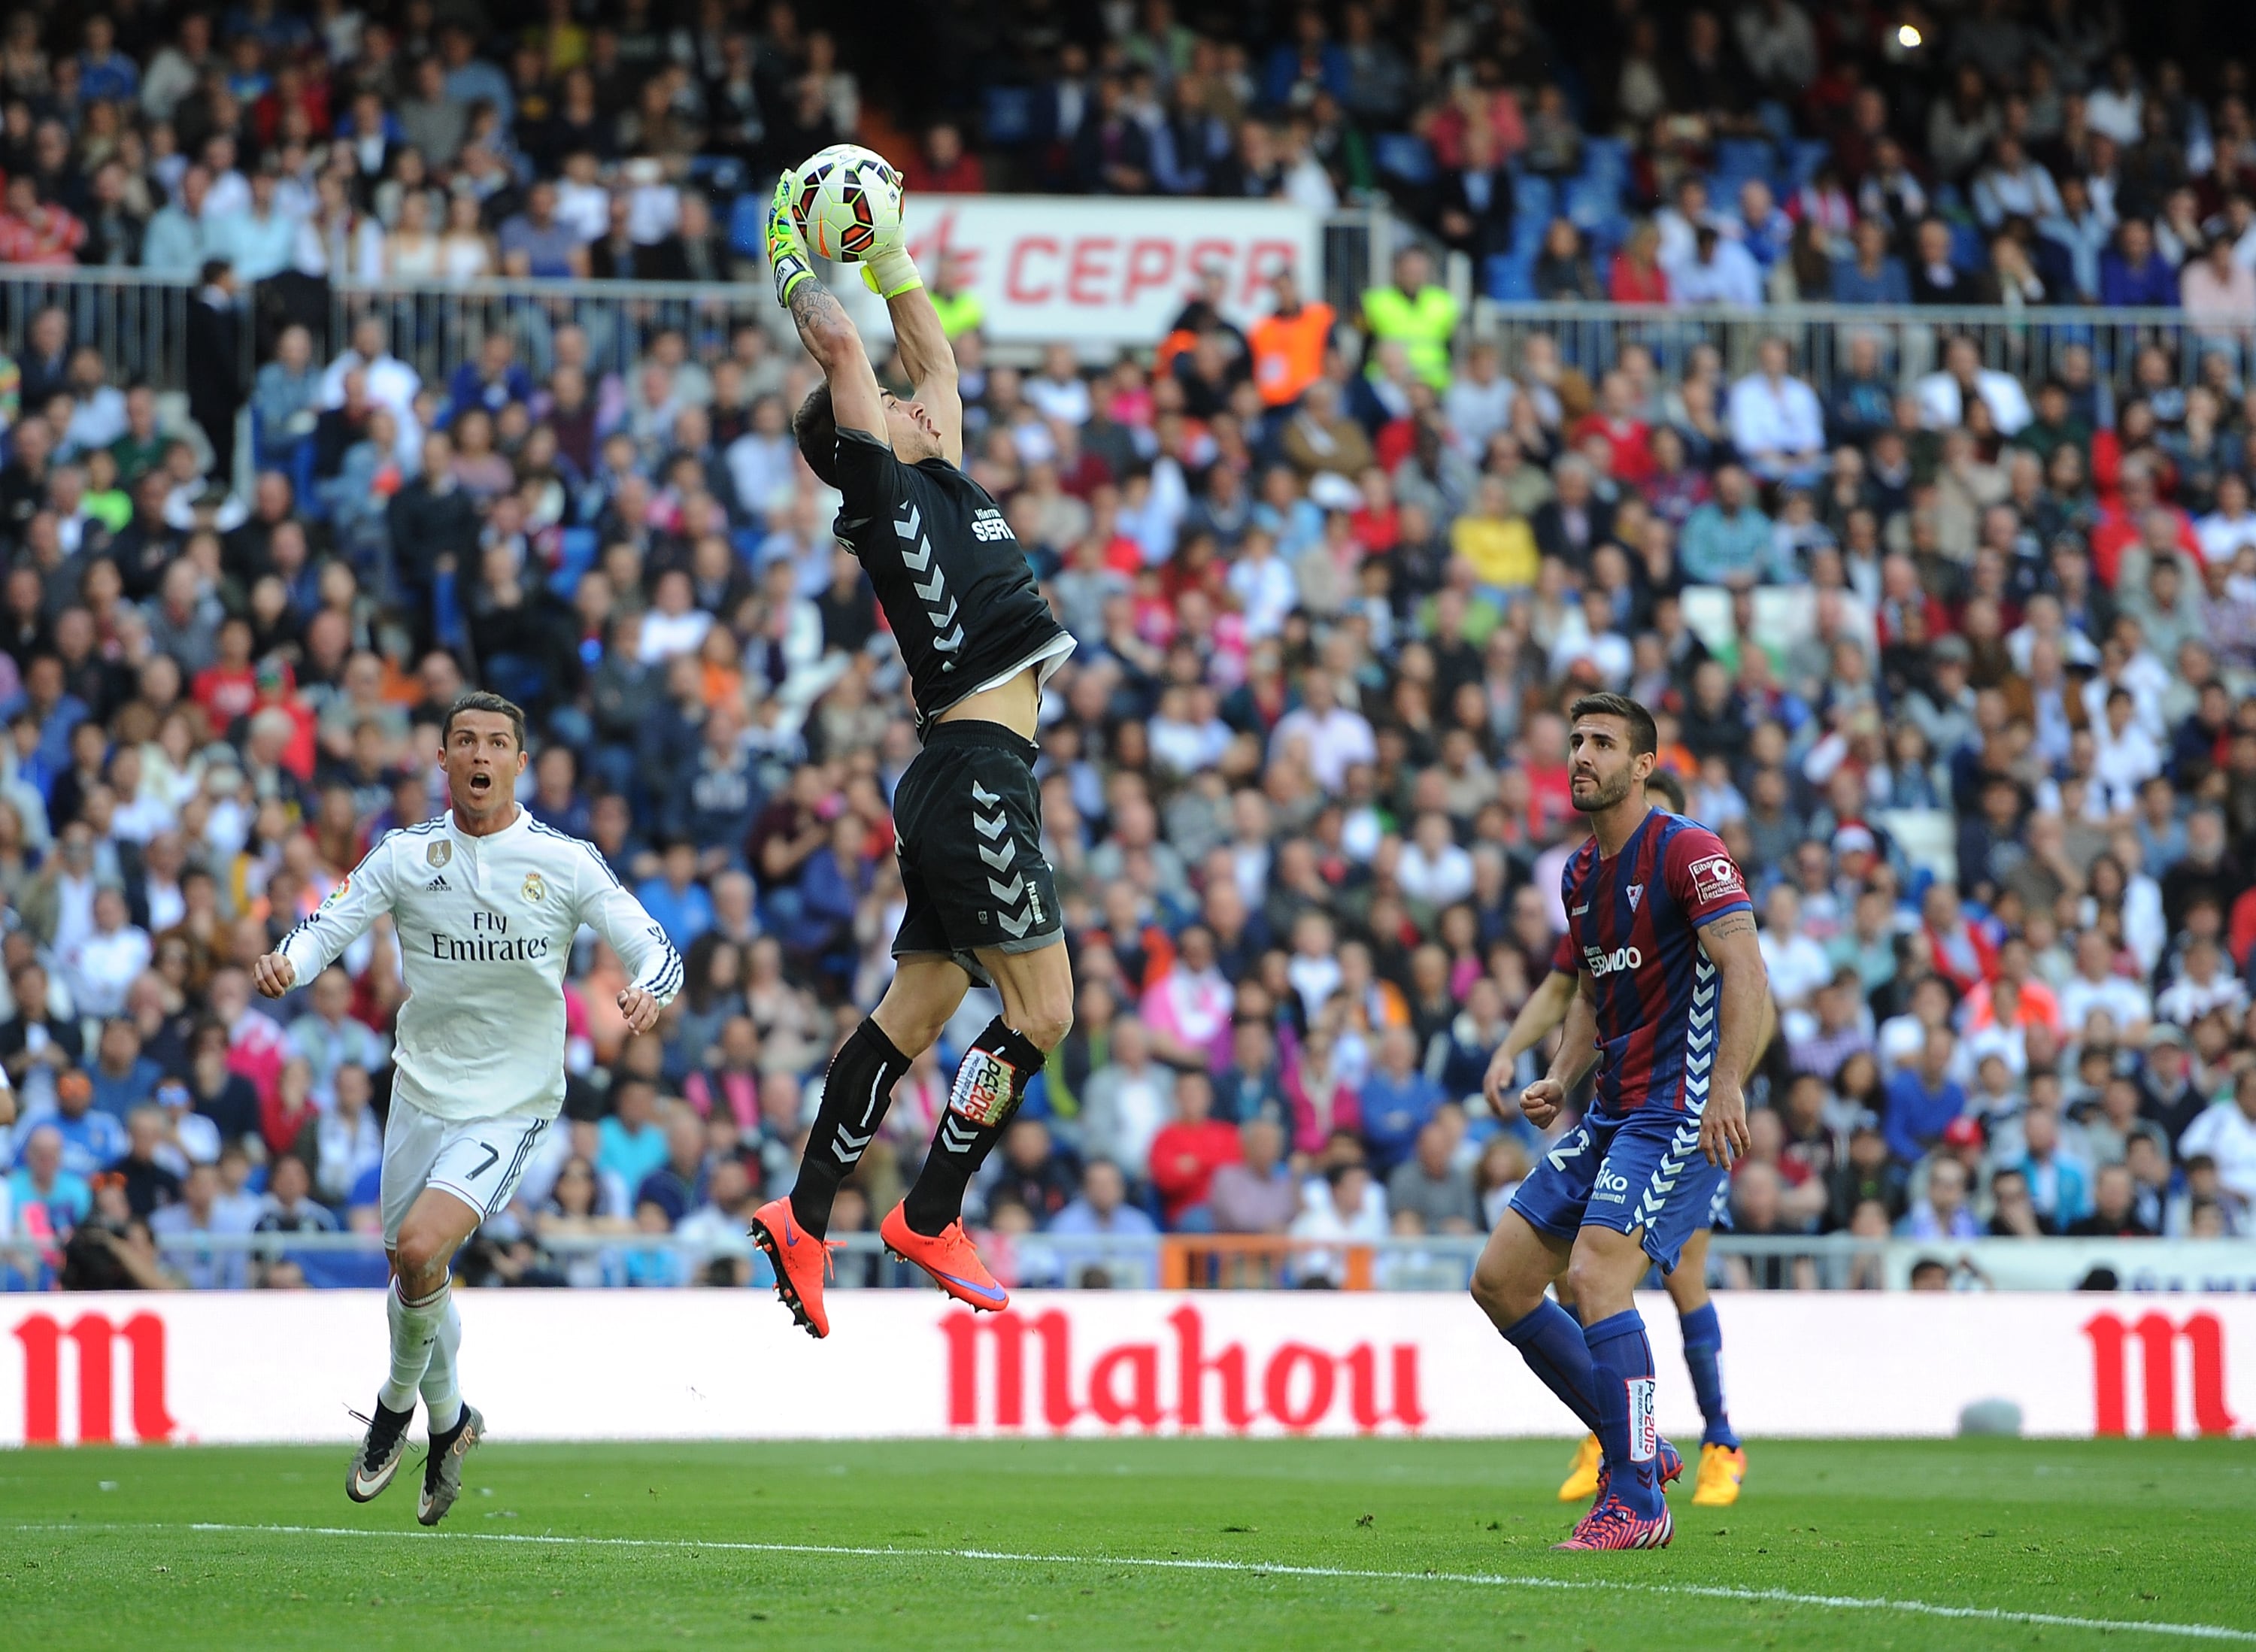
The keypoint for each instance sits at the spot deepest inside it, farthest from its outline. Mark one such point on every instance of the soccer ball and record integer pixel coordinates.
(845, 198)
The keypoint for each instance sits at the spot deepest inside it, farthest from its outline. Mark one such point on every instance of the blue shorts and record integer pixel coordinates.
(1642, 1171)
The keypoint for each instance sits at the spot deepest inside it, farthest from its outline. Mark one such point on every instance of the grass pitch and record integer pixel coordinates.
(1122, 1544)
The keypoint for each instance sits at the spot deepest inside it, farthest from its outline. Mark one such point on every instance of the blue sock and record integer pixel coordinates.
(1552, 1344)
(1703, 1341)
(1621, 1371)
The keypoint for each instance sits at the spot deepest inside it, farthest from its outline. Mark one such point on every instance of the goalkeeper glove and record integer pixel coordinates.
(887, 270)
(787, 259)
(891, 272)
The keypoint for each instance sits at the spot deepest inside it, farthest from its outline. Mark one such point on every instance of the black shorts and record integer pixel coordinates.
(968, 818)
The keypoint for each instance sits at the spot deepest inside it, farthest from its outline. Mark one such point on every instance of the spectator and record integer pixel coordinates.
(1430, 1186)
(1256, 1193)
(1416, 313)
(1186, 1155)
(1396, 1101)
(1345, 1209)
(1924, 1098)
(1776, 422)
(2134, 274)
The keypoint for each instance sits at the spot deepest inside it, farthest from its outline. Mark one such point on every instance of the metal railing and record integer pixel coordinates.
(139, 321)
(2098, 345)
(1186, 1262)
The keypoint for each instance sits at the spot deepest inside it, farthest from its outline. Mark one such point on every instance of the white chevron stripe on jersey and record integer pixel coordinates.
(999, 858)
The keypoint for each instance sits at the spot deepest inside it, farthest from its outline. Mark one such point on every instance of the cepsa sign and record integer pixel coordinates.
(1099, 271)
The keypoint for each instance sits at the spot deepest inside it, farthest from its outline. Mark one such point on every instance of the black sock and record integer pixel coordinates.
(987, 1091)
(442, 1438)
(855, 1092)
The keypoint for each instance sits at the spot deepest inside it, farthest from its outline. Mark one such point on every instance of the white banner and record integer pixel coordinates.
(2062, 1264)
(698, 1365)
(1099, 271)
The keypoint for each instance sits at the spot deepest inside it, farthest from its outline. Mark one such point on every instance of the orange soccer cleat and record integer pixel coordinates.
(801, 1260)
(949, 1258)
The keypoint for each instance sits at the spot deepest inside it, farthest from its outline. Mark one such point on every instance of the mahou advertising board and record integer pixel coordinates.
(699, 1364)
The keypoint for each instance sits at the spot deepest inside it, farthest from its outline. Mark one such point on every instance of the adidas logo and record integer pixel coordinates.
(439, 885)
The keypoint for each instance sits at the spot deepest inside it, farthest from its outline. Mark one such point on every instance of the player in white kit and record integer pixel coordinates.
(486, 902)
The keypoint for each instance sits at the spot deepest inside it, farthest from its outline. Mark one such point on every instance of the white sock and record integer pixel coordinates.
(414, 1331)
(442, 1399)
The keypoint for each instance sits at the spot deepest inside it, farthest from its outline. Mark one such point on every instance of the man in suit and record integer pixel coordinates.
(214, 364)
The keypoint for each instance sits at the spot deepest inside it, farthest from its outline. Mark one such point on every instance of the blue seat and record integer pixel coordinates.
(1806, 155)
(1006, 115)
(1403, 155)
(1536, 198)
(1966, 248)
(576, 551)
(1605, 157)
(748, 226)
(1509, 278)
(1743, 157)
(1590, 201)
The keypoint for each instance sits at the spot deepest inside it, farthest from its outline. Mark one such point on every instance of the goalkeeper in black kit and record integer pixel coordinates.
(979, 642)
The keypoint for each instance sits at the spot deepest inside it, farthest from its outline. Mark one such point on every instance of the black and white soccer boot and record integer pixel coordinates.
(443, 1473)
(378, 1458)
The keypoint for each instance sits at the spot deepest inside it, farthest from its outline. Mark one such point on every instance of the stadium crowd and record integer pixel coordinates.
(1334, 579)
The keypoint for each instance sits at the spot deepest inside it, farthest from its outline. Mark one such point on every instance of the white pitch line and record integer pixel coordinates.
(1481, 1579)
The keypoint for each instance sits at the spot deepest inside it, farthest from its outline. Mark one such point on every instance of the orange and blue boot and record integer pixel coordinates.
(947, 1258)
(801, 1260)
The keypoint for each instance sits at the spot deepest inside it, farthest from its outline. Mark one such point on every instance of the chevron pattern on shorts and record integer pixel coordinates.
(1018, 906)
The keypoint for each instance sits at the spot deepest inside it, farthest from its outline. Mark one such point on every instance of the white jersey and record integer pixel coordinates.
(485, 927)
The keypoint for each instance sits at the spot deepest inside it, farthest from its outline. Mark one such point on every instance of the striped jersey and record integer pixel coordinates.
(1635, 919)
(485, 927)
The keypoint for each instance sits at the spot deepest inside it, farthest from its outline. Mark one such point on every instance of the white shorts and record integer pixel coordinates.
(479, 1161)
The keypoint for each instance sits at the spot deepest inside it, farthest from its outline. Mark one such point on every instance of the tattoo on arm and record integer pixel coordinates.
(1729, 925)
(813, 307)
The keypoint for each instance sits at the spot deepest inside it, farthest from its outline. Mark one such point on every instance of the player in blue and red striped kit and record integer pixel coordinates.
(1723, 1459)
(1670, 1005)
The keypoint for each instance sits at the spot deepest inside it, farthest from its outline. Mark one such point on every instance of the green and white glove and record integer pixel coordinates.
(787, 259)
(887, 270)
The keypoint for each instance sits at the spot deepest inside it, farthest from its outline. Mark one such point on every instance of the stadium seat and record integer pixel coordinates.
(1740, 159)
(1403, 156)
(1534, 197)
(576, 554)
(747, 225)
(1509, 278)
(1006, 115)
(1928, 838)
(1803, 160)
(1605, 157)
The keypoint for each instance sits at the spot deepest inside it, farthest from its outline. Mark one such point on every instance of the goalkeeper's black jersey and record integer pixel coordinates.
(955, 587)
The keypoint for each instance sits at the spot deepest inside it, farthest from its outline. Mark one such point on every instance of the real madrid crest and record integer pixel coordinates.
(534, 889)
(440, 853)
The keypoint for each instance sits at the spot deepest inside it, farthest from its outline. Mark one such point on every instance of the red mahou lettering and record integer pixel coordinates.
(1192, 1367)
(1277, 1386)
(41, 1337)
(2158, 1339)
(1141, 1361)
